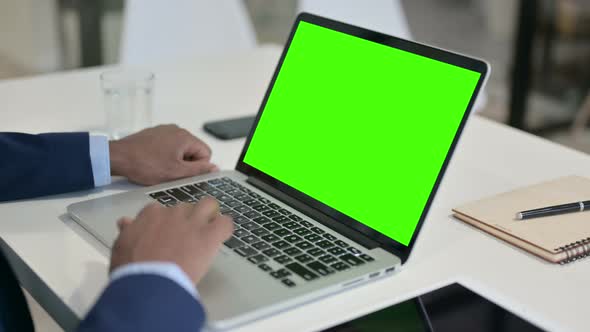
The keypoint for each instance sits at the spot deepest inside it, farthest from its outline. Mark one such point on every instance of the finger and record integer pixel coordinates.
(192, 168)
(205, 210)
(220, 229)
(124, 222)
(195, 150)
(149, 212)
(184, 209)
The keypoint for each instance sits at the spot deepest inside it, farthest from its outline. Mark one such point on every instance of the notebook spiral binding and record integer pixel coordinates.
(576, 250)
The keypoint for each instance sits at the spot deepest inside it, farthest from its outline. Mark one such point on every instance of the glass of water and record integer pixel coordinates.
(128, 99)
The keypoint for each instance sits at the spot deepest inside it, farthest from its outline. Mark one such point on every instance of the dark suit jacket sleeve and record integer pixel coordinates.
(45, 164)
(146, 303)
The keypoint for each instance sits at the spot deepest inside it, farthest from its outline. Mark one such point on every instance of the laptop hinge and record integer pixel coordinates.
(315, 214)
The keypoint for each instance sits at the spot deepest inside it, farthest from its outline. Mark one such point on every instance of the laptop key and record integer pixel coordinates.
(241, 220)
(250, 226)
(304, 245)
(325, 244)
(281, 219)
(320, 268)
(315, 252)
(166, 199)
(330, 237)
(366, 257)
(270, 238)
(313, 237)
(283, 259)
(261, 220)
(292, 251)
(352, 259)
(257, 259)
(224, 198)
(271, 213)
(260, 232)
(272, 226)
(233, 242)
(355, 251)
(274, 206)
(251, 202)
(233, 203)
(241, 232)
(282, 232)
(317, 230)
(302, 231)
(246, 251)
(215, 182)
(293, 238)
(158, 194)
(191, 190)
(272, 252)
(336, 251)
(280, 244)
(291, 225)
(215, 192)
(249, 239)
(242, 209)
(328, 259)
(264, 200)
(204, 186)
(288, 282)
(306, 223)
(225, 187)
(285, 211)
(265, 267)
(340, 266)
(233, 214)
(179, 194)
(301, 271)
(295, 217)
(260, 207)
(341, 244)
(252, 214)
(261, 245)
(281, 273)
(304, 258)
(242, 197)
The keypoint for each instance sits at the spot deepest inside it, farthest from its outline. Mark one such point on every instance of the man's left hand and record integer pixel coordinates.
(160, 154)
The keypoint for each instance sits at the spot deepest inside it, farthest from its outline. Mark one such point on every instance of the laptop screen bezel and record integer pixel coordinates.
(387, 243)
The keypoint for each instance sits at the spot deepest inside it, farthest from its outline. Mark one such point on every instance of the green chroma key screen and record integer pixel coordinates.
(361, 127)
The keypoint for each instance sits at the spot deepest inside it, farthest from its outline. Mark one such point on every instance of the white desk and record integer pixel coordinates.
(65, 270)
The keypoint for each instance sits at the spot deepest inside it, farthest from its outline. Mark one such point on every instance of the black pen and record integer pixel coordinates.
(553, 210)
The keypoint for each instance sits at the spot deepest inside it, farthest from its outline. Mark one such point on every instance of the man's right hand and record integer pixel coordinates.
(187, 235)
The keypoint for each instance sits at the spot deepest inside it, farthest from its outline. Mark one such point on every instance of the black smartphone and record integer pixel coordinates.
(230, 128)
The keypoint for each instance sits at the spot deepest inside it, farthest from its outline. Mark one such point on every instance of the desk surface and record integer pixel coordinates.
(63, 260)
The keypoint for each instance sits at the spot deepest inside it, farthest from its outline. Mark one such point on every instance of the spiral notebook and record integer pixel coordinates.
(558, 239)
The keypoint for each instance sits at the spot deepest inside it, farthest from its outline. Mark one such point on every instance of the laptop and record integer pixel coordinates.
(336, 176)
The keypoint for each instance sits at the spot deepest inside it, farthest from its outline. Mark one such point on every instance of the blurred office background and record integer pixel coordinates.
(539, 49)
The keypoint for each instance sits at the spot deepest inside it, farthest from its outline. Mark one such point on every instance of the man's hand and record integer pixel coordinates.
(160, 154)
(187, 235)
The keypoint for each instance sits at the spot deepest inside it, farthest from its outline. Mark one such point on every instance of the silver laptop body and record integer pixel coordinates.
(242, 286)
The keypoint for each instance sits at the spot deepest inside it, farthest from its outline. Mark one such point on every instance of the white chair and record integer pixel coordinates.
(159, 30)
(386, 16)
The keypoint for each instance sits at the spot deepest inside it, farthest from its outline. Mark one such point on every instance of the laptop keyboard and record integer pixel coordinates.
(279, 242)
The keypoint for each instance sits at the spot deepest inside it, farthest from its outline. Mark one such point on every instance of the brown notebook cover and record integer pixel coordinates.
(558, 239)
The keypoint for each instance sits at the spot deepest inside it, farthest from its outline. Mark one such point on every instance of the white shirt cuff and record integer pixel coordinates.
(99, 159)
(164, 269)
